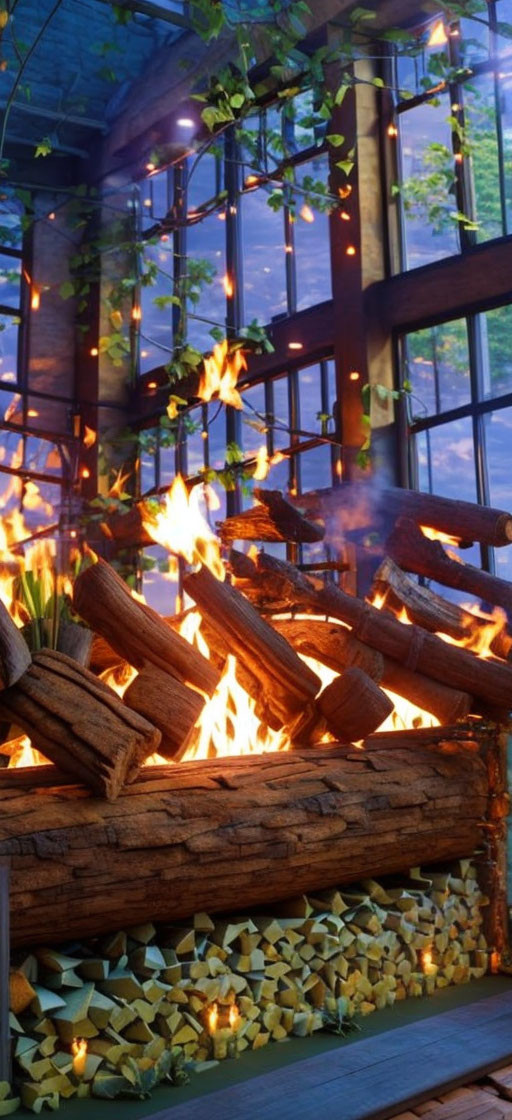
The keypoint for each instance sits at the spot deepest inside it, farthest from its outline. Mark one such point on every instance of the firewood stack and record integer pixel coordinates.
(146, 999)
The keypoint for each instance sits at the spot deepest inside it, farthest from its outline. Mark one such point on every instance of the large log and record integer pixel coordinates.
(136, 632)
(273, 519)
(355, 506)
(412, 646)
(354, 706)
(14, 651)
(229, 834)
(287, 683)
(336, 647)
(410, 549)
(432, 611)
(78, 722)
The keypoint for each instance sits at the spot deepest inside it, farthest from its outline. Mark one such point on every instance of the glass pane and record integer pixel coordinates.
(438, 368)
(217, 436)
(475, 39)
(11, 211)
(498, 438)
(147, 470)
(480, 106)
(195, 441)
(426, 176)
(42, 456)
(253, 419)
(160, 592)
(8, 348)
(10, 276)
(42, 505)
(202, 180)
(156, 326)
(206, 266)
(505, 103)
(264, 258)
(167, 461)
(311, 234)
(446, 461)
(281, 418)
(310, 396)
(315, 468)
(496, 328)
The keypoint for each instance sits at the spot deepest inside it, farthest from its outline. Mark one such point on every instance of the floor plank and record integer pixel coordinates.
(376, 1078)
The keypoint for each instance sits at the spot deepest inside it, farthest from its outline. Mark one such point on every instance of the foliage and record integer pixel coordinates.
(336, 1020)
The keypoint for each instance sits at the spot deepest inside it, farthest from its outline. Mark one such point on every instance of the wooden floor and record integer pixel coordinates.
(491, 1099)
(381, 1077)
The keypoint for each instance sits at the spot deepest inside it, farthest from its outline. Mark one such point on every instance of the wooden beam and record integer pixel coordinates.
(5, 1042)
(471, 281)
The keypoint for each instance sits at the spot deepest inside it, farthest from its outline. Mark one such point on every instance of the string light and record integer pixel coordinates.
(152, 385)
(51, 217)
(392, 130)
(185, 122)
(306, 213)
(344, 215)
(251, 181)
(94, 351)
(459, 157)
(351, 250)
(32, 412)
(228, 285)
(35, 299)
(85, 472)
(288, 248)
(295, 346)
(151, 166)
(354, 375)
(136, 313)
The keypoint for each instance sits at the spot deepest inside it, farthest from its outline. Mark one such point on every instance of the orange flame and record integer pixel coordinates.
(262, 464)
(90, 436)
(228, 285)
(79, 1052)
(220, 375)
(213, 1018)
(181, 528)
(437, 535)
(234, 1016)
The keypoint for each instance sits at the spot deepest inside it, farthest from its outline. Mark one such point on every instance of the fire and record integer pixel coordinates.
(89, 437)
(220, 375)
(119, 677)
(181, 528)
(20, 752)
(437, 535)
(262, 464)
(234, 1016)
(480, 637)
(79, 1052)
(213, 1018)
(228, 285)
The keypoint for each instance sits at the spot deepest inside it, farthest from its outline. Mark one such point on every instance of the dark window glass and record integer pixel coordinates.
(156, 326)
(446, 460)
(8, 348)
(496, 332)
(315, 468)
(253, 419)
(206, 267)
(311, 232)
(480, 106)
(264, 258)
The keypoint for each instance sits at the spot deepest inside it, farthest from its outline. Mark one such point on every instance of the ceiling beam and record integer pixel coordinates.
(55, 115)
(152, 9)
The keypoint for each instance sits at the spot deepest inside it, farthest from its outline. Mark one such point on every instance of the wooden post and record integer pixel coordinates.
(5, 1041)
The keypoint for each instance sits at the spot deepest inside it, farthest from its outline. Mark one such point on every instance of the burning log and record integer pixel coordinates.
(286, 682)
(273, 519)
(357, 505)
(430, 610)
(336, 647)
(231, 834)
(413, 647)
(137, 633)
(410, 549)
(14, 652)
(78, 722)
(354, 706)
(167, 703)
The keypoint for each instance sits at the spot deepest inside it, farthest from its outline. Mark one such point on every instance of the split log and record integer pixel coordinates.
(14, 652)
(353, 706)
(494, 859)
(336, 647)
(136, 632)
(229, 834)
(411, 550)
(355, 506)
(410, 645)
(273, 519)
(126, 530)
(78, 722)
(286, 681)
(430, 610)
(167, 703)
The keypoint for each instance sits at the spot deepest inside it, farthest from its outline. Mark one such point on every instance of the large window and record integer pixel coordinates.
(460, 404)
(454, 158)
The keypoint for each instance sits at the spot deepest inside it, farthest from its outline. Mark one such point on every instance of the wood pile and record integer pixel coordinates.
(148, 1002)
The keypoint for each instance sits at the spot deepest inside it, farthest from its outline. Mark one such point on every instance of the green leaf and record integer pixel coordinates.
(67, 289)
(345, 165)
(43, 148)
(335, 138)
(237, 100)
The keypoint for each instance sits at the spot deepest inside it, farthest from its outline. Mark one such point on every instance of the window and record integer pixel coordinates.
(460, 409)
(454, 154)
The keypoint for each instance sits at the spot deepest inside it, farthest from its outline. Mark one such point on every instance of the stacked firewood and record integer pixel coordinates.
(144, 1002)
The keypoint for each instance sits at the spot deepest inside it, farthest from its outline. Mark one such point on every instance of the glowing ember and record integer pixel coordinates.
(220, 375)
(234, 1016)
(89, 437)
(213, 1018)
(181, 528)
